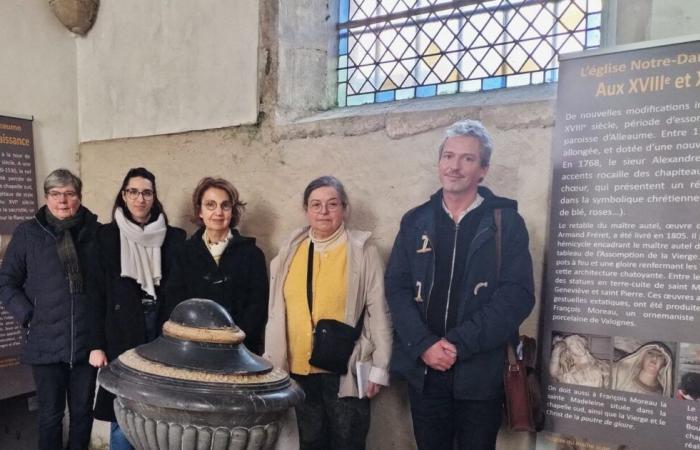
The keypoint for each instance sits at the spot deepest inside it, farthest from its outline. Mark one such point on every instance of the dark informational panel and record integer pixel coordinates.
(621, 342)
(18, 203)
(17, 179)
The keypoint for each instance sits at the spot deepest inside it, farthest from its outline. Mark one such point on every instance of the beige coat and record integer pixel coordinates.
(365, 286)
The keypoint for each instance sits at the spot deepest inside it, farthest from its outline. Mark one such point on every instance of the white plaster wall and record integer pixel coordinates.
(38, 77)
(166, 66)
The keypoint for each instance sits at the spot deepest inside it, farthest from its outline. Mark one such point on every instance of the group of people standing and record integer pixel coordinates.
(458, 285)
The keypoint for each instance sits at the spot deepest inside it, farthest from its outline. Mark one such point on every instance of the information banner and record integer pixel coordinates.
(18, 203)
(18, 193)
(621, 316)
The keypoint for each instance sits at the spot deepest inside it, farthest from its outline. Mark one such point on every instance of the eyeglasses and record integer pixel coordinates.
(55, 195)
(211, 205)
(331, 206)
(133, 194)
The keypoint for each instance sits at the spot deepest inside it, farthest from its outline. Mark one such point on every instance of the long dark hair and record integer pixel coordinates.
(156, 209)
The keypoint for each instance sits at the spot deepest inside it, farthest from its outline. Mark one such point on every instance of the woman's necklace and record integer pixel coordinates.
(216, 245)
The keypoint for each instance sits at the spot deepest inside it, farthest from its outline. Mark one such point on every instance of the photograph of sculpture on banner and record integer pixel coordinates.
(581, 359)
(643, 367)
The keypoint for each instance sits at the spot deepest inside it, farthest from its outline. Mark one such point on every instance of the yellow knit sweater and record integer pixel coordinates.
(329, 296)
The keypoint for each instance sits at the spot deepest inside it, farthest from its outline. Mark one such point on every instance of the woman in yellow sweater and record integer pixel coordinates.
(326, 271)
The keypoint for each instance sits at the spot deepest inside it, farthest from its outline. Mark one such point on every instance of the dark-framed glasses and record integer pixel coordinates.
(211, 205)
(56, 195)
(133, 194)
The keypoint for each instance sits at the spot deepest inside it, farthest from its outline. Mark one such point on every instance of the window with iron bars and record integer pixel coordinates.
(400, 49)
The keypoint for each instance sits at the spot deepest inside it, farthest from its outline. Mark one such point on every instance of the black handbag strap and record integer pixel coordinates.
(310, 277)
(309, 291)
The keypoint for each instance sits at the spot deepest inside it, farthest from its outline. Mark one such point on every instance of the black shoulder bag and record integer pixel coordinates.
(333, 340)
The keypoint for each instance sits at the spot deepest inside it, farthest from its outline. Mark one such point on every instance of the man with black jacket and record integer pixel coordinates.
(455, 301)
(45, 282)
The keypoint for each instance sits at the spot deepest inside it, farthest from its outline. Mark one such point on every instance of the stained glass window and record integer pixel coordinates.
(398, 49)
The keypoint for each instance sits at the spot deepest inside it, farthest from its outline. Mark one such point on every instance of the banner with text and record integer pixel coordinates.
(18, 203)
(621, 316)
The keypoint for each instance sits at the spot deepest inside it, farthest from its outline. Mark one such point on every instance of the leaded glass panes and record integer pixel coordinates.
(398, 49)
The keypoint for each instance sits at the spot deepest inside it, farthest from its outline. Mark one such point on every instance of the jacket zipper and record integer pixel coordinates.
(72, 325)
(430, 294)
(452, 273)
(432, 282)
(72, 330)
(454, 255)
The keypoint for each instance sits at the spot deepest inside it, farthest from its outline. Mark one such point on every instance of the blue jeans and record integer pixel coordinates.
(439, 418)
(117, 439)
(150, 321)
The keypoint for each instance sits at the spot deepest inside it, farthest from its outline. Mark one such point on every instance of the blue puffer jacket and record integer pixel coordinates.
(34, 289)
(490, 311)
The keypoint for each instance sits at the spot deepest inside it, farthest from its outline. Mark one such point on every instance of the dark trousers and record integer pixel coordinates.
(439, 418)
(55, 383)
(327, 422)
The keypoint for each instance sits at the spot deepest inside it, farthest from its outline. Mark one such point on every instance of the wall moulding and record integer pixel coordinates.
(76, 15)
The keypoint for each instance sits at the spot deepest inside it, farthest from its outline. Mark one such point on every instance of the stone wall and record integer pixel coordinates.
(386, 154)
(387, 160)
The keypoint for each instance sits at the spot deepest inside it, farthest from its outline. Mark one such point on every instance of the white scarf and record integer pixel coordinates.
(140, 250)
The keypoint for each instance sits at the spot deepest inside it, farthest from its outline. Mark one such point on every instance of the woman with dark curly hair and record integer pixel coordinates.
(219, 264)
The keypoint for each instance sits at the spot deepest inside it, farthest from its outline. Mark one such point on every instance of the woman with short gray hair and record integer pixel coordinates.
(327, 282)
(45, 282)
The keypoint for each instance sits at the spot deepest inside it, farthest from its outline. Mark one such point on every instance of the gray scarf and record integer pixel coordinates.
(66, 247)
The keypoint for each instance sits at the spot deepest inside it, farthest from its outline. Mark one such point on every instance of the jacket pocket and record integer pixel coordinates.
(365, 348)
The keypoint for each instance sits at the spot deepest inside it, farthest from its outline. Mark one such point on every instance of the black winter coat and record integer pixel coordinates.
(118, 323)
(239, 283)
(34, 289)
(118, 314)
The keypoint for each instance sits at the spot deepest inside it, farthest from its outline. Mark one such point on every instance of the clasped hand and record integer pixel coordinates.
(441, 355)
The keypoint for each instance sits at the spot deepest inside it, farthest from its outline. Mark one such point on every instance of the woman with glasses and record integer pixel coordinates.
(219, 264)
(327, 271)
(135, 252)
(46, 281)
